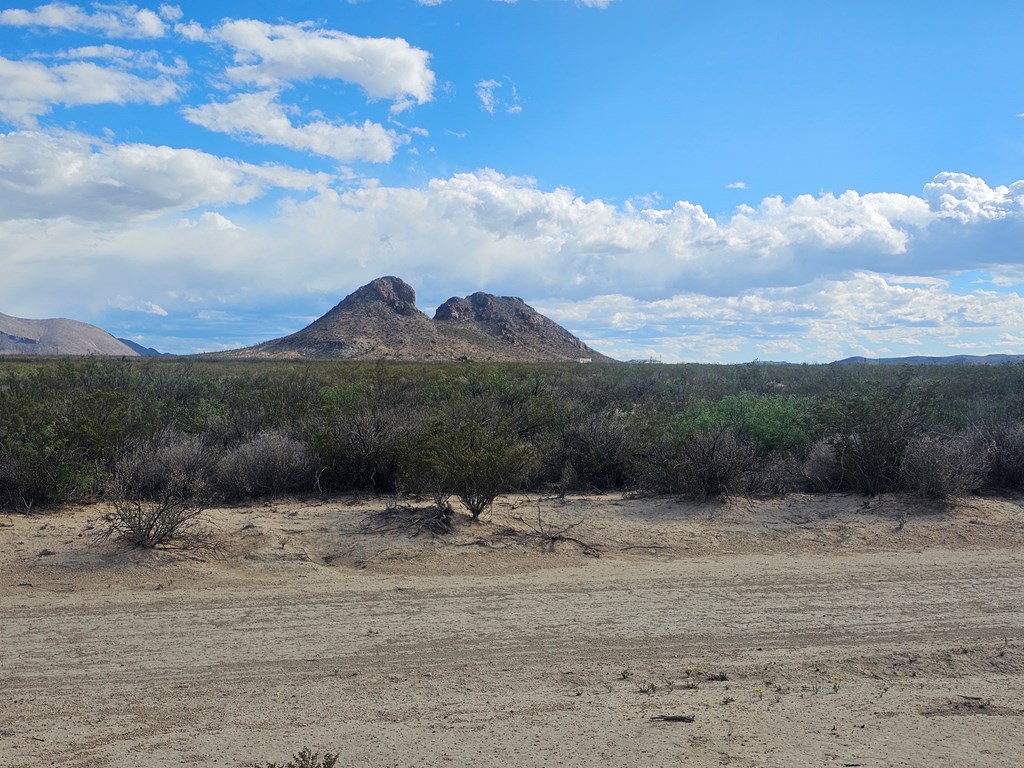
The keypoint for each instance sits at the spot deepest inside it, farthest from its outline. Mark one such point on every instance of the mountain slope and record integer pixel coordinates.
(57, 337)
(141, 350)
(511, 325)
(381, 321)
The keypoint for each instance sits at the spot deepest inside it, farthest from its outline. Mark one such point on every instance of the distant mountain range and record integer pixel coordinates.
(926, 360)
(380, 321)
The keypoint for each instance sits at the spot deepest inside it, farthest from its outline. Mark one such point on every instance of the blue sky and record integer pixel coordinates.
(715, 182)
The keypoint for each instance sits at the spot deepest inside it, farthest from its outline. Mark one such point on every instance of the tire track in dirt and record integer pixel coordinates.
(193, 675)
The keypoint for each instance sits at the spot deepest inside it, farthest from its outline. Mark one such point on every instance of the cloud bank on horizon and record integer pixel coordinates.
(199, 181)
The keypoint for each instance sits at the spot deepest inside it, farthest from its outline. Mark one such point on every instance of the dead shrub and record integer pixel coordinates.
(269, 463)
(938, 467)
(715, 462)
(774, 476)
(147, 467)
(592, 446)
(550, 535)
(1004, 442)
(702, 465)
(822, 469)
(402, 518)
(306, 758)
(167, 516)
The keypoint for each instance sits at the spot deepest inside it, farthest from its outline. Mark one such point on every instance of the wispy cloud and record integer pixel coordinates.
(110, 20)
(493, 97)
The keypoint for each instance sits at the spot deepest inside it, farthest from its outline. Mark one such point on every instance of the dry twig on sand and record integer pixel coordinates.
(550, 534)
(403, 518)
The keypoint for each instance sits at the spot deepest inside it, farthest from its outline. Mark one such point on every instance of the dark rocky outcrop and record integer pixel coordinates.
(381, 321)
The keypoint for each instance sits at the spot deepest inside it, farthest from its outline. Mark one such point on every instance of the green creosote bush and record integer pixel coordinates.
(424, 469)
(473, 458)
(774, 423)
(39, 468)
(870, 427)
(359, 430)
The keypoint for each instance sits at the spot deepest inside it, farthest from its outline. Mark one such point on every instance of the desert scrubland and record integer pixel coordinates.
(220, 564)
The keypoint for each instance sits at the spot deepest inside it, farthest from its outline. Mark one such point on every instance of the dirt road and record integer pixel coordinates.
(842, 657)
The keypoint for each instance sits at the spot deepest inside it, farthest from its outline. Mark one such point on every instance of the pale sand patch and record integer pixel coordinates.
(844, 638)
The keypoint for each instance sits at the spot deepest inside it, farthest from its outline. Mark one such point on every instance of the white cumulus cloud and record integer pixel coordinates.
(275, 54)
(816, 277)
(967, 198)
(261, 118)
(29, 89)
(51, 176)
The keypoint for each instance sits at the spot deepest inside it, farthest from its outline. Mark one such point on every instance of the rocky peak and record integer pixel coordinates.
(391, 291)
(454, 310)
(480, 307)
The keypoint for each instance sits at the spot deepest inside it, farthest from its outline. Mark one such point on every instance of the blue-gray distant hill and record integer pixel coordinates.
(141, 350)
(57, 336)
(926, 360)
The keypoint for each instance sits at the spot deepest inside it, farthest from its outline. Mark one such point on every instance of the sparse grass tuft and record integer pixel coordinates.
(306, 758)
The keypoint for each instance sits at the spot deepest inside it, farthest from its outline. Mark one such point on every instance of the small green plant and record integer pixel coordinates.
(837, 683)
(472, 457)
(306, 758)
(759, 692)
(625, 674)
(728, 700)
(649, 687)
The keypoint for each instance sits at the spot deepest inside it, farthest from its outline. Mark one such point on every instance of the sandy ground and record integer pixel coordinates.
(804, 631)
